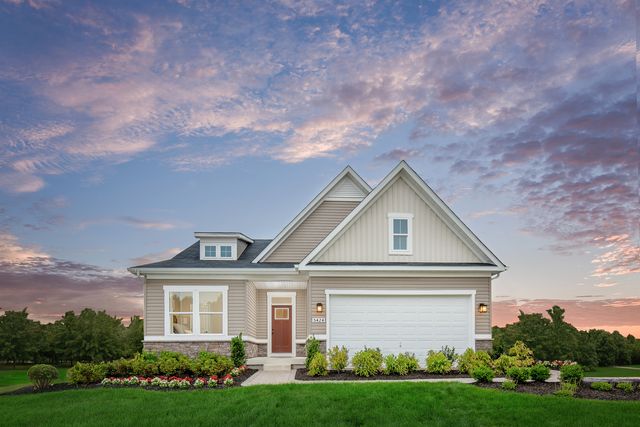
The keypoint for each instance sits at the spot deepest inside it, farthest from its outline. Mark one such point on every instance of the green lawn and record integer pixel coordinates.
(11, 379)
(615, 371)
(402, 403)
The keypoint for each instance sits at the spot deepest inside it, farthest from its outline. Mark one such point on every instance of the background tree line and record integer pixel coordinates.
(554, 339)
(88, 336)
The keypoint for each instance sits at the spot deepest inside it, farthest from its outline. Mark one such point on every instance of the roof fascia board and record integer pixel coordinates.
(209, 234)
(311, 267)
(373, 195)
(310, 208)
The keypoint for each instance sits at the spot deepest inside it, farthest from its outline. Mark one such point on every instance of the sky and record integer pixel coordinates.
(126, 126)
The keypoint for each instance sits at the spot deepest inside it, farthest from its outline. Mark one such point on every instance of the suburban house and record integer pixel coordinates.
(390, 267)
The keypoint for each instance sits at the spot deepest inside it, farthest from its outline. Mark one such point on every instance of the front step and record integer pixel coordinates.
(276, 367)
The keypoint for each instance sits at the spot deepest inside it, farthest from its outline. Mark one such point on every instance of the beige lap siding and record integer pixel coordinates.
(250, 321)
(482, 286)
(154, 303)
(262, 316)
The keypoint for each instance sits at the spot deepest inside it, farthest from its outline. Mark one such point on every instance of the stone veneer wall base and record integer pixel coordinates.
(485, 345)
(192, 348)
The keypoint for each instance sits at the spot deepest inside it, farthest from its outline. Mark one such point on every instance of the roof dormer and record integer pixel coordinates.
(221, 246)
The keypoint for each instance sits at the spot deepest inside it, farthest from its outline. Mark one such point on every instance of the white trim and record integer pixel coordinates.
(280, 284)
(448, 213)
(214, 235)
(319, 337)
(436, 292)
(399, 292)
(483, 337)
(218, 245)
(195, 313)
(409, 217)
(387, 267)
(309, 208)
(210, 271)
(294, 313)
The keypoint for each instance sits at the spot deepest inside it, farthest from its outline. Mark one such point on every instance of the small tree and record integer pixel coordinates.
(42, 376)
(312, 347)
(238, 353)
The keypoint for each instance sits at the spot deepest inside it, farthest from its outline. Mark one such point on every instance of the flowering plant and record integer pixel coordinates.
(557, 364)
(199, 382)
(213, 381)
(227, 380)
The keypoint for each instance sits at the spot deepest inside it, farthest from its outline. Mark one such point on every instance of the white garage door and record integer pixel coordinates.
(401, 323)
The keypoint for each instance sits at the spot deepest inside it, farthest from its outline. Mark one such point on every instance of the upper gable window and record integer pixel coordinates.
(210, 251)
(400, 234)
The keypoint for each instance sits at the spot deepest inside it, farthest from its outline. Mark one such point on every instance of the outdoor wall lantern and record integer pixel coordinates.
(319, 307)
(482, 308)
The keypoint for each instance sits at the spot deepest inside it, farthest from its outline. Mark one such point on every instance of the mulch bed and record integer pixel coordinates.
(237, 381)
(301, 374)
(584, 391)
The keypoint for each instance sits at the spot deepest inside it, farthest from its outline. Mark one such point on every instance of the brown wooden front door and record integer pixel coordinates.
(281, 328)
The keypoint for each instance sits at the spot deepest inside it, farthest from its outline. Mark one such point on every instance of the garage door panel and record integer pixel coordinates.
(400, 323)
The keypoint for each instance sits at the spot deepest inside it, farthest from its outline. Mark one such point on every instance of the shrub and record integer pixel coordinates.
(390, 365)
(469, 360)
(449, 352)
(571, 374)
(144, 364)
(42, 376)
(119, 368)
(338, 358)
(518, 374)
(483, 374)
(437, 363)
(318, 365)
(509, 385)
(503, 363)
(210, 364)
(238, 353)
(367, 362)
(522, 354)
(625, 386)
(540, 373)
(86, 373)
(407, 361)
(174, 363)
(601, 386)
(567, 390)
(312, 346)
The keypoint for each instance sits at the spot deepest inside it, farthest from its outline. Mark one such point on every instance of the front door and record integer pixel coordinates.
(281, 329)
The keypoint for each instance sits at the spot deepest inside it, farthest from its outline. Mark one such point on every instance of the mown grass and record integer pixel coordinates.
(615, 371)
(405, 403)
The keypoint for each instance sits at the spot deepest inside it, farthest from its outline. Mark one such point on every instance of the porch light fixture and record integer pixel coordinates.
(482, 308)
(319, 307)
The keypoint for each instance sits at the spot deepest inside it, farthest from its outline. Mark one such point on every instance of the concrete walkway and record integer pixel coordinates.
(271, 377)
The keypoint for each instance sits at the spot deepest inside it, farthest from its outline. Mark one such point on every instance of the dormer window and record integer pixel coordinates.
(400, 234)
(210, 251)
(225, 251)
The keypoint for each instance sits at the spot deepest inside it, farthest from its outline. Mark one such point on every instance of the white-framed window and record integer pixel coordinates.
(400, 233)
(210, 251)
(225, 251)
(196, 310)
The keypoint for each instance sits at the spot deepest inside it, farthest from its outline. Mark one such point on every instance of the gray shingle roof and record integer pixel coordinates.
(190, 258)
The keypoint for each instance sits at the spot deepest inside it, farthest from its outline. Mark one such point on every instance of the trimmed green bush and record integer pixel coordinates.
(601, 386)
(571, 374)
(483, 374)
(437, 363)
(144, 364)
(238, 353)
(312, 346)
(318, 365)
(503, 363)
(208, 364)
(86, 373)
(338, 358)
(389, 365)
(509, 385)
(121, 368)
(42, 376)
(625, 386)
(471, 359)
(522, 354)
(407, 361)
(518, 374)
(540, 373)
(567, 390)
(174, 363)
(367, 362)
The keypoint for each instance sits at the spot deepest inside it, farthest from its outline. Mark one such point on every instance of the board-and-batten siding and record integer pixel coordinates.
(261, 313)
(367, 239)
(154, 303)
(311, 231)
(482, 286)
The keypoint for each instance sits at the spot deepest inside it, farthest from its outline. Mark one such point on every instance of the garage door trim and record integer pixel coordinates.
(436, 292)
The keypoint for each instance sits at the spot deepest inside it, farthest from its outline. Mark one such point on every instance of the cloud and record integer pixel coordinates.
(609, 314)
(155, 256)
(144, 224)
